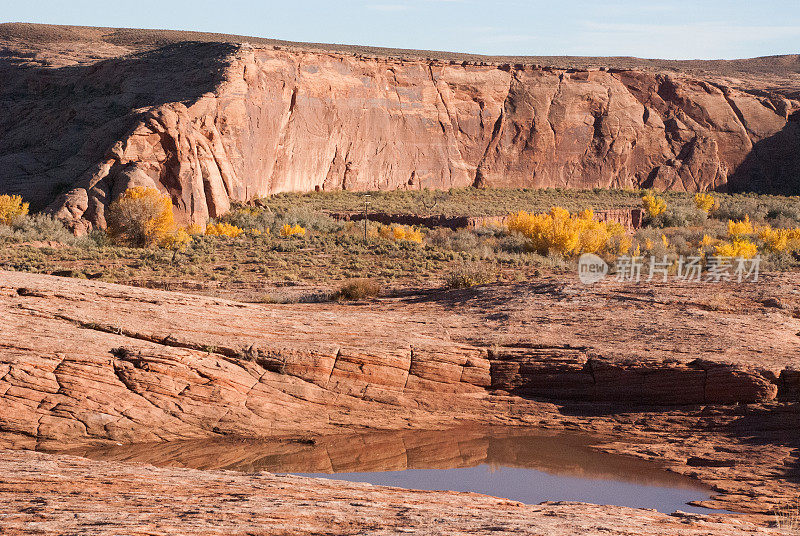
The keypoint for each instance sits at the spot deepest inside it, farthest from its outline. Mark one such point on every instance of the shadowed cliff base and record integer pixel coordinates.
(773, 166)
(60, 121)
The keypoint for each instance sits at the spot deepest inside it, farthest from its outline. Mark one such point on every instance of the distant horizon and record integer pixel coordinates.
(675, 30)
(349, 44)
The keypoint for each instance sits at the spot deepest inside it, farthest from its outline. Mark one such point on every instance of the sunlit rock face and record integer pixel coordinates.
(212, 123)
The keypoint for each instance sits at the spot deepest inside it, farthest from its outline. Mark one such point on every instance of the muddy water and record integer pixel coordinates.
(525, 466)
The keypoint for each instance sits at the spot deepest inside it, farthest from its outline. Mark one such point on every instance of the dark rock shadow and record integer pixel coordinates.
(773, 165)
(57, 122)
(488, 296)
(778, 426)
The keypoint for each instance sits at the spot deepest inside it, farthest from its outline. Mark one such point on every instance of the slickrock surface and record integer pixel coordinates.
(49, 495)
(89, 362)
(215, 122)
(144, 365)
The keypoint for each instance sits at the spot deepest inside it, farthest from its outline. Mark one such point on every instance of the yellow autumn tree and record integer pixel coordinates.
(654, 205)
(288, 231)
(737, 248)
(400, 233)
(223, 229)
(567, 234)
(176, 241)
(741, 228)
(777, 240)
(705, 202)
(774, 239)
(140, 217)
(11, 208)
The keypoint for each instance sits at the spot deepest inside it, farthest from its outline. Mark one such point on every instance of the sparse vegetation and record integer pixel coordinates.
(470, 274)
(788, 517)
(259, 264)
(453, 202)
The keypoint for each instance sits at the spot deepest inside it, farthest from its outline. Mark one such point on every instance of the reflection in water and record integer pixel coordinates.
(516, 464)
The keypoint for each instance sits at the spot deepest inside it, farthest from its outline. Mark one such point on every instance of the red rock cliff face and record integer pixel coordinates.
(213, 123)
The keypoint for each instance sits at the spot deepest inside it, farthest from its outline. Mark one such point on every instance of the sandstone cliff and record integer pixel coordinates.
(210, 123)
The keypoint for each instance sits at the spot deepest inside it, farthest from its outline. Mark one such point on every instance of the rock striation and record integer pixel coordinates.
(146, 365)
(211, 123)
(91, 363)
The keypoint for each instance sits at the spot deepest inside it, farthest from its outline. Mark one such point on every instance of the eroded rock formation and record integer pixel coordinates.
(151, 365)
(85, 362)
(211, 123)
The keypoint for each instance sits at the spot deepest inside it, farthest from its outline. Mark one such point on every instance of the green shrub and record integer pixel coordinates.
(475, 243)
(513, 243)
(679, 216)
(40, 228)
(758, 208)
(465, 240)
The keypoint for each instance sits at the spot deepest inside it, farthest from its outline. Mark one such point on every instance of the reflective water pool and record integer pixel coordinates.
(526, 466)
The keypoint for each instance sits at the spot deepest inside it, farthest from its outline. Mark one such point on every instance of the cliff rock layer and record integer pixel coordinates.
(210, 123)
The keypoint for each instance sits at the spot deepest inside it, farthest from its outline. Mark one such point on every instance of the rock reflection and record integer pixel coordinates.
(563, 454)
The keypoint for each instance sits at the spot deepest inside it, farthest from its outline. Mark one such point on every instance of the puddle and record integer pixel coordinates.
(530, 467)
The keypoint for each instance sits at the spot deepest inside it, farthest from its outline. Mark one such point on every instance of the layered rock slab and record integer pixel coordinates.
(65, 495)
(89, 362)
(95, 361)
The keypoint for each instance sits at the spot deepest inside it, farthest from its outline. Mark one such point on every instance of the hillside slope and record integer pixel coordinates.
(210, 119)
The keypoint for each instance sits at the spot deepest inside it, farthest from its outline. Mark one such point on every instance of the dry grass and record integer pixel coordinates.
(359, 289)
(471, 274)
(788, 517)
(263, 266)
(471, 202)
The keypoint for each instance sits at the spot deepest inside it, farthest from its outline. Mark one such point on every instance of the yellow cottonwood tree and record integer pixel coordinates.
(140, 217)
(11, 207)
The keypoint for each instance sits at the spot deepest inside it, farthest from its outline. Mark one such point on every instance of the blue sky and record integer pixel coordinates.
(676, 29)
